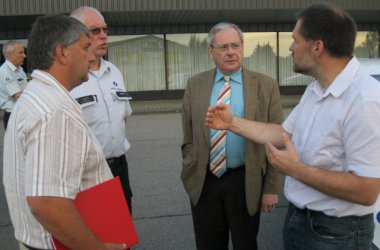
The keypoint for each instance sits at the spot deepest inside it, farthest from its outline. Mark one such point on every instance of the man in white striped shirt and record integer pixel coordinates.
(50, 154)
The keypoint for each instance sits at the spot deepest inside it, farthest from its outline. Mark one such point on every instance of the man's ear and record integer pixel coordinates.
(210, 53)
(318, 47)
(61, 53)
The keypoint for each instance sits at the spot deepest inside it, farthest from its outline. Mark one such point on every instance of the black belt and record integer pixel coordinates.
(228, 170)
(307, 212)
(235, 169)
(113, 160)
(312, 213)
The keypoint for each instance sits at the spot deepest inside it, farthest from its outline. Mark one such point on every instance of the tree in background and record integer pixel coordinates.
(370, 47)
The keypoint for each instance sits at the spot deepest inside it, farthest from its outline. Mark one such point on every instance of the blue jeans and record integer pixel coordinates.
(310, 230)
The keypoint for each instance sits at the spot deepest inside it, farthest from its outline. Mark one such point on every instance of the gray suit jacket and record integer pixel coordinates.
(261, 103)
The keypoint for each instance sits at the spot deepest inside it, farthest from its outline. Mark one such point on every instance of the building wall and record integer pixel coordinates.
(169, 66)
(179, 16)
(30, 7)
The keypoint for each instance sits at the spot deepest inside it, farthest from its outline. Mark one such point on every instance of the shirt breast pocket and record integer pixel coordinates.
(122, 102)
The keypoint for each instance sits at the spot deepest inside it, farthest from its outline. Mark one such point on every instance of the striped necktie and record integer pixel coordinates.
(218, 162)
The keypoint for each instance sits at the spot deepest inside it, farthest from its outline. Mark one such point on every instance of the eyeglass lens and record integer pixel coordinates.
(97, 31)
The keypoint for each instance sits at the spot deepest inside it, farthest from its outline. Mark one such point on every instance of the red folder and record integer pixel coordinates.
(105, 211)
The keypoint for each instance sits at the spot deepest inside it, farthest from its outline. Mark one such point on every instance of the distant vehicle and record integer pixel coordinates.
(372, 67)
(296, 80)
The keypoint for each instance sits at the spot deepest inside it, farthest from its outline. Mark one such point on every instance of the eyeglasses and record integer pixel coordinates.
(225, 47)
(97, 31)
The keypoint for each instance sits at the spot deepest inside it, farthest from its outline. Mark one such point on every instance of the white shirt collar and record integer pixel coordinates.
(49, 79)
(102, 68)
(11, 65)
(340, 83)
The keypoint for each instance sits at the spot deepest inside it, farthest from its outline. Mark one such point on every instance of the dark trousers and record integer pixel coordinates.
(222, 208)
(119, 167)
(6, 118)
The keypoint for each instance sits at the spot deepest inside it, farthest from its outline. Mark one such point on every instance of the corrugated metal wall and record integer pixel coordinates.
(35, 7)
(136, 17)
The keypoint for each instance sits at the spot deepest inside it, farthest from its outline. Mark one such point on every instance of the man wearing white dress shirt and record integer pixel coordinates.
(329, 145)
(105, 103)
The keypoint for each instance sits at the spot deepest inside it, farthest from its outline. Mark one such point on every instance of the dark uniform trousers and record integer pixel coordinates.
(119, 167)
(6, 118)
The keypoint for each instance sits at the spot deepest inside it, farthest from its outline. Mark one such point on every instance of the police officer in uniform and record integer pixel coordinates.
(12, 77)
(104, 101)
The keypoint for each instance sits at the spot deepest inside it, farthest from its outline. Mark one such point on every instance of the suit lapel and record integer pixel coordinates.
(250, 88)
(205, 102)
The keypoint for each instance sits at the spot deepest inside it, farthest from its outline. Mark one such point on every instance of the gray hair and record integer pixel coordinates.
(80, 13)
(220, 27)
(47, 33)
(9, 46)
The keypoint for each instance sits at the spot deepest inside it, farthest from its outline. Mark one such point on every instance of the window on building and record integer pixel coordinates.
(158, 62)
(141, 61)
(260, 52)
(367, 44)
(286, 75)
(186, 56)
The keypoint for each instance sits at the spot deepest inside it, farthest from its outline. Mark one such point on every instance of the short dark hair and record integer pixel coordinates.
(330, 24)
(47, 33)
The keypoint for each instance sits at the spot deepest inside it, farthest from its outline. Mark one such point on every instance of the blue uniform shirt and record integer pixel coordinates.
(235, 145)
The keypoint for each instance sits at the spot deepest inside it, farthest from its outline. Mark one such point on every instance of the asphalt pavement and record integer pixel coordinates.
(161, 208)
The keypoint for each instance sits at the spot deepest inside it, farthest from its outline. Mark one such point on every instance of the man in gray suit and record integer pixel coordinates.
(229, 196)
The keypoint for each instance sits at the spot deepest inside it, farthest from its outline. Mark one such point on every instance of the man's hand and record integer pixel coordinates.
(16, 96)
(285, 161)
(112, 246)
(269, 202)
(219, 117)
(61, 219)
(343, 185)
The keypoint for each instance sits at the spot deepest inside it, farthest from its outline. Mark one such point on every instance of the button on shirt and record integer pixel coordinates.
(235, 145)
(12, 81)
(49, 151)
(338, 130)
(105, 106)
